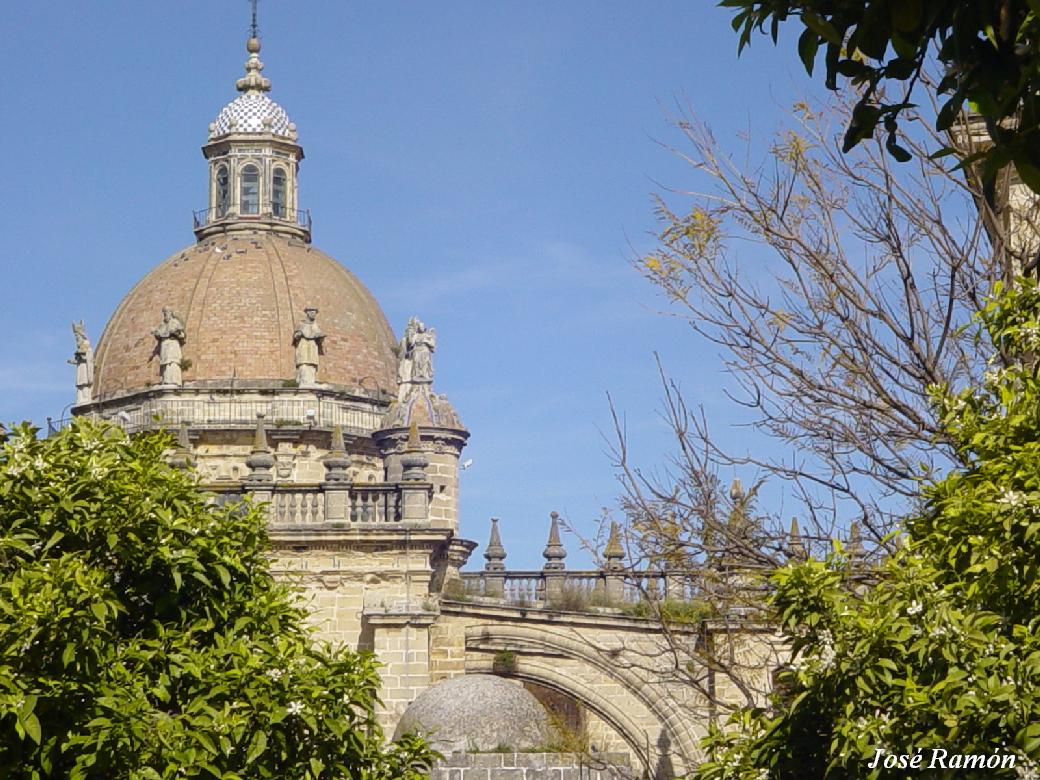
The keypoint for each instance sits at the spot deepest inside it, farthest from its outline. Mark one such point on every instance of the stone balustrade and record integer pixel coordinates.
(731, 585)
(590, 587)
(292, 506)
(518, 588)
(281, 408)
(375, 504)
(340, 505)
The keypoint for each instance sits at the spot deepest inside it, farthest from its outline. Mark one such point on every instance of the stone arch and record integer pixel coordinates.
(552, 677)
(535, 640)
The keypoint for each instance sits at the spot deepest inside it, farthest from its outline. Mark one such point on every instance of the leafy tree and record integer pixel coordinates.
(986, 48)
(143, 635)
(943, 650)
(856, 303)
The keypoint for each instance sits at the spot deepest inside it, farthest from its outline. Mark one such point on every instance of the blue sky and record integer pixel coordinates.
(485, 165)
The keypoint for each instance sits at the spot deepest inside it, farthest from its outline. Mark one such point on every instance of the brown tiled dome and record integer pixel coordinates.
(240, 297)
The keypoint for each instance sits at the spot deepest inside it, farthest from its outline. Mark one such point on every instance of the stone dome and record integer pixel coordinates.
(240, 296)
(253, 112)
(425, 408)
(478, 712)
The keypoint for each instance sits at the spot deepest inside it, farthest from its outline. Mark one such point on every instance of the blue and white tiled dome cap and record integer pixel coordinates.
(253, 112)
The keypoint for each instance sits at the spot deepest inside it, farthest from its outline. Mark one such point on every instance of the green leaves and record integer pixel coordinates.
(28, 725)
(864, 119)
(823, 28)
(943, 650)
(986, 51)
(143, 634)
(808, 45)
(256, 746)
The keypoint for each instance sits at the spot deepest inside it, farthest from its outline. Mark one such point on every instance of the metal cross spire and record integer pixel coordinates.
(253, 32)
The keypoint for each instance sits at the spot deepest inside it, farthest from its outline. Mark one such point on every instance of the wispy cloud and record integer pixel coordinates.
(442, 286)
(549, 264)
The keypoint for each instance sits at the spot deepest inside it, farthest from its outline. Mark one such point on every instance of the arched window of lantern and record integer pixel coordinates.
(223, 191)
(278, 204)
(249, 192)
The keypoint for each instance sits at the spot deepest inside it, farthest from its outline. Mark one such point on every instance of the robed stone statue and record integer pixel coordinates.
(83, 360)
(309, 342)
(170, 338)
(415, 356)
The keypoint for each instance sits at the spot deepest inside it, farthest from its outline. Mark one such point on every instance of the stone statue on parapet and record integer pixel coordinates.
(404, 359)
(309, 341)
(415, 361)
(83, 360)
(170, 338)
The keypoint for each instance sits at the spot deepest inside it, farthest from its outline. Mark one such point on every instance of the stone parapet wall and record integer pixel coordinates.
(443, 472)
(230, 406)
(532, 766)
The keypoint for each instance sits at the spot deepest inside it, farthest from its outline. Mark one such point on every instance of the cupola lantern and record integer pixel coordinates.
(253, 163)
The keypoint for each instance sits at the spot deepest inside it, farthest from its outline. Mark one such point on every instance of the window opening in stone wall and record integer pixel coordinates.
(223, 194)
(250, 194)
(278, 193)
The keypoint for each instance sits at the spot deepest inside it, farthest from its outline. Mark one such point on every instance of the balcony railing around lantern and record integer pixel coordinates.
(215, 214)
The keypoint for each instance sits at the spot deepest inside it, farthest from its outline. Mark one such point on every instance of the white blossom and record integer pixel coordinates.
(1026, 769)
(1012, 498)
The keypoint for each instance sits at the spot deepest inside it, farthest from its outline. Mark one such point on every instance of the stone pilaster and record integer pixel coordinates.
(260, 480)
(415, 489)
(401, 642)
(554, 553)
(856, 549)
(494, 569)
(336, 488)
(181, 457)
(613, 566)
(796, 549)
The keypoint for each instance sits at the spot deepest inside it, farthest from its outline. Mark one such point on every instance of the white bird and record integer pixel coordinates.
(467, 463)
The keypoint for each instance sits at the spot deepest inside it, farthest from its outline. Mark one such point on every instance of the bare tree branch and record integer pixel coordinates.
(835, 341)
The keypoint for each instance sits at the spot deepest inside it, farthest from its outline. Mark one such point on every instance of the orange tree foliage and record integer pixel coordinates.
(142, 634)
(944, 651)
(987, 50)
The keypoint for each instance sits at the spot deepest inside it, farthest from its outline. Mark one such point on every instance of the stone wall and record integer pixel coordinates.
(639, 695)
(532, 766)
(337, 586)
(604, 662)
(443, 473)
(220, 457)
